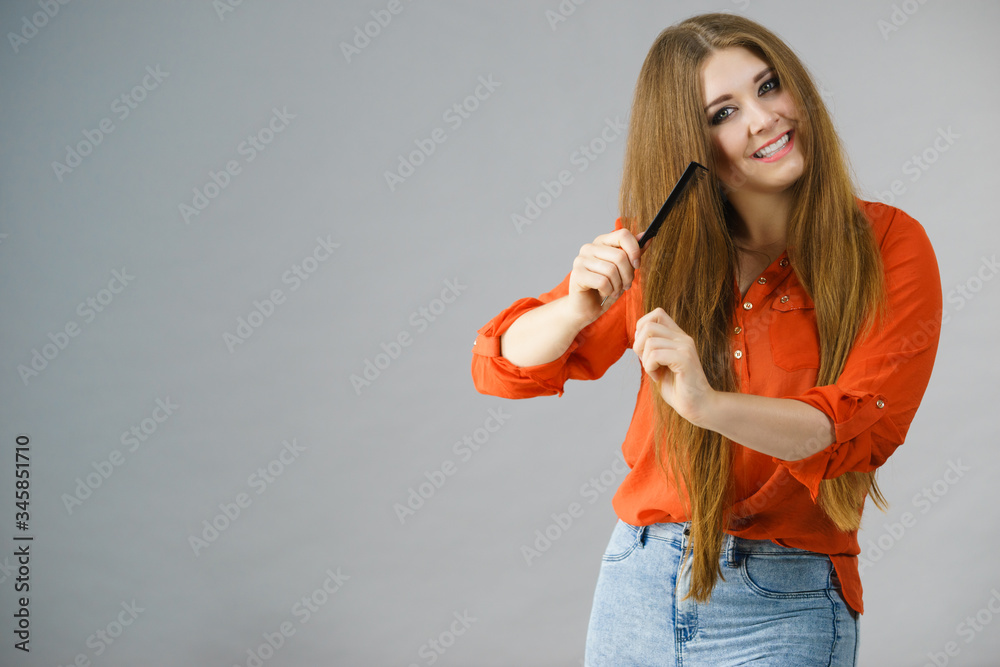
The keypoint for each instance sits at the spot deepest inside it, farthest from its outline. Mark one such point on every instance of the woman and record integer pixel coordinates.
(787, 331)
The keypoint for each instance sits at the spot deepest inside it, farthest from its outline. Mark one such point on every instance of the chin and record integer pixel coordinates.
(768, 181)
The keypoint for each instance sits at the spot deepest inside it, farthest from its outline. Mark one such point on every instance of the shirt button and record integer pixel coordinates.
(783, 299)
(737, 329)
(783, 262)
(747, 306)
(761, 280)
(739, 354)
(880, 403)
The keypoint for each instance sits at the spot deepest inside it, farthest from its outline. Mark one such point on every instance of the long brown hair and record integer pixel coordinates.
(691, 269)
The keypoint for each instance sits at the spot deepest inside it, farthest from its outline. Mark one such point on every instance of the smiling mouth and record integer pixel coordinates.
(774, 146)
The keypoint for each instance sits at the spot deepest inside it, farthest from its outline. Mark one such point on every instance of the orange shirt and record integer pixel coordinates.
(775, 346)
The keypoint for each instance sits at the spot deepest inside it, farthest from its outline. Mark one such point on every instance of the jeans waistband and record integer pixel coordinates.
(731, 545)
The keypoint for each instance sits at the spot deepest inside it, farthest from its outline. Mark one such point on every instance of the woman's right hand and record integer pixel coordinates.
(604, 268)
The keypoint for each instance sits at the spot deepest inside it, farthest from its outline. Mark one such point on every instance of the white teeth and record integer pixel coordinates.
(773, 148)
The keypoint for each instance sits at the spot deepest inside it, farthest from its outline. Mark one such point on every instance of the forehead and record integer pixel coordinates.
(729, 70)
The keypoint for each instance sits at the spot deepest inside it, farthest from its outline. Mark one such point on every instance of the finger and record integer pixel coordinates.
(655, 316)
(651, 338)
(650, 331)
(598, 274)
(642, 335)
(655, 358)
(616, 256)
(630, 244)
(660, 316)
(660, 352)
(651, 316)
(623, 238)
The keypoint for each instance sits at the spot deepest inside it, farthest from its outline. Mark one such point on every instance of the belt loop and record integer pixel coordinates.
(641, 535)
(731, 550)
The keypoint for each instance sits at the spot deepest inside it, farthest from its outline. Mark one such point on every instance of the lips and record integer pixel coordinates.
(772, 147)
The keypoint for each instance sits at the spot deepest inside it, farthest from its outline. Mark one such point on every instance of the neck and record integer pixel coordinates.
(762, 218)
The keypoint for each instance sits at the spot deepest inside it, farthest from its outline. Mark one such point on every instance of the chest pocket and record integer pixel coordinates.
(793, 332)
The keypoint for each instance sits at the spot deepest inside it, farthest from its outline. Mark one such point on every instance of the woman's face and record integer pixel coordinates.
(748, 112)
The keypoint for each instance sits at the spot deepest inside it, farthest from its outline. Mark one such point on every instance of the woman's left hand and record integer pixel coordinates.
(669, 356)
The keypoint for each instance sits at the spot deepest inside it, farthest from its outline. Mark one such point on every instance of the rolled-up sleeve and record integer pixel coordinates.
(598, 345)
(886, 373)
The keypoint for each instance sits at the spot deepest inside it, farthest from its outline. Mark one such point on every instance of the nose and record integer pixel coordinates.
(760, 118)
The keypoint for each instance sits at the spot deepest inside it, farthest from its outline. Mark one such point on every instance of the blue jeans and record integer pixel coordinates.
(777, 607)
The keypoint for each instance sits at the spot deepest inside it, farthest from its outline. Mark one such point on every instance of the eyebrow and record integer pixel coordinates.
(722, 98)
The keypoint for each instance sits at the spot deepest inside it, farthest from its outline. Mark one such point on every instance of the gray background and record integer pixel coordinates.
(363, 450)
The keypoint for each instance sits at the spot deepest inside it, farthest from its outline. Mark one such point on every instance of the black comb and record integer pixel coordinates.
(668, 205)
(672, 199)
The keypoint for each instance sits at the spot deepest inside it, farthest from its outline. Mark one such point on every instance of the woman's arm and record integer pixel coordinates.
(601, 272)
(780, 427)
(570, 332)
(541, 335)
(869, 407)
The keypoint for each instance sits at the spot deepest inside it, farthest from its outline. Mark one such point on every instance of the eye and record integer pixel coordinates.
(718, 117)
(725, 112)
